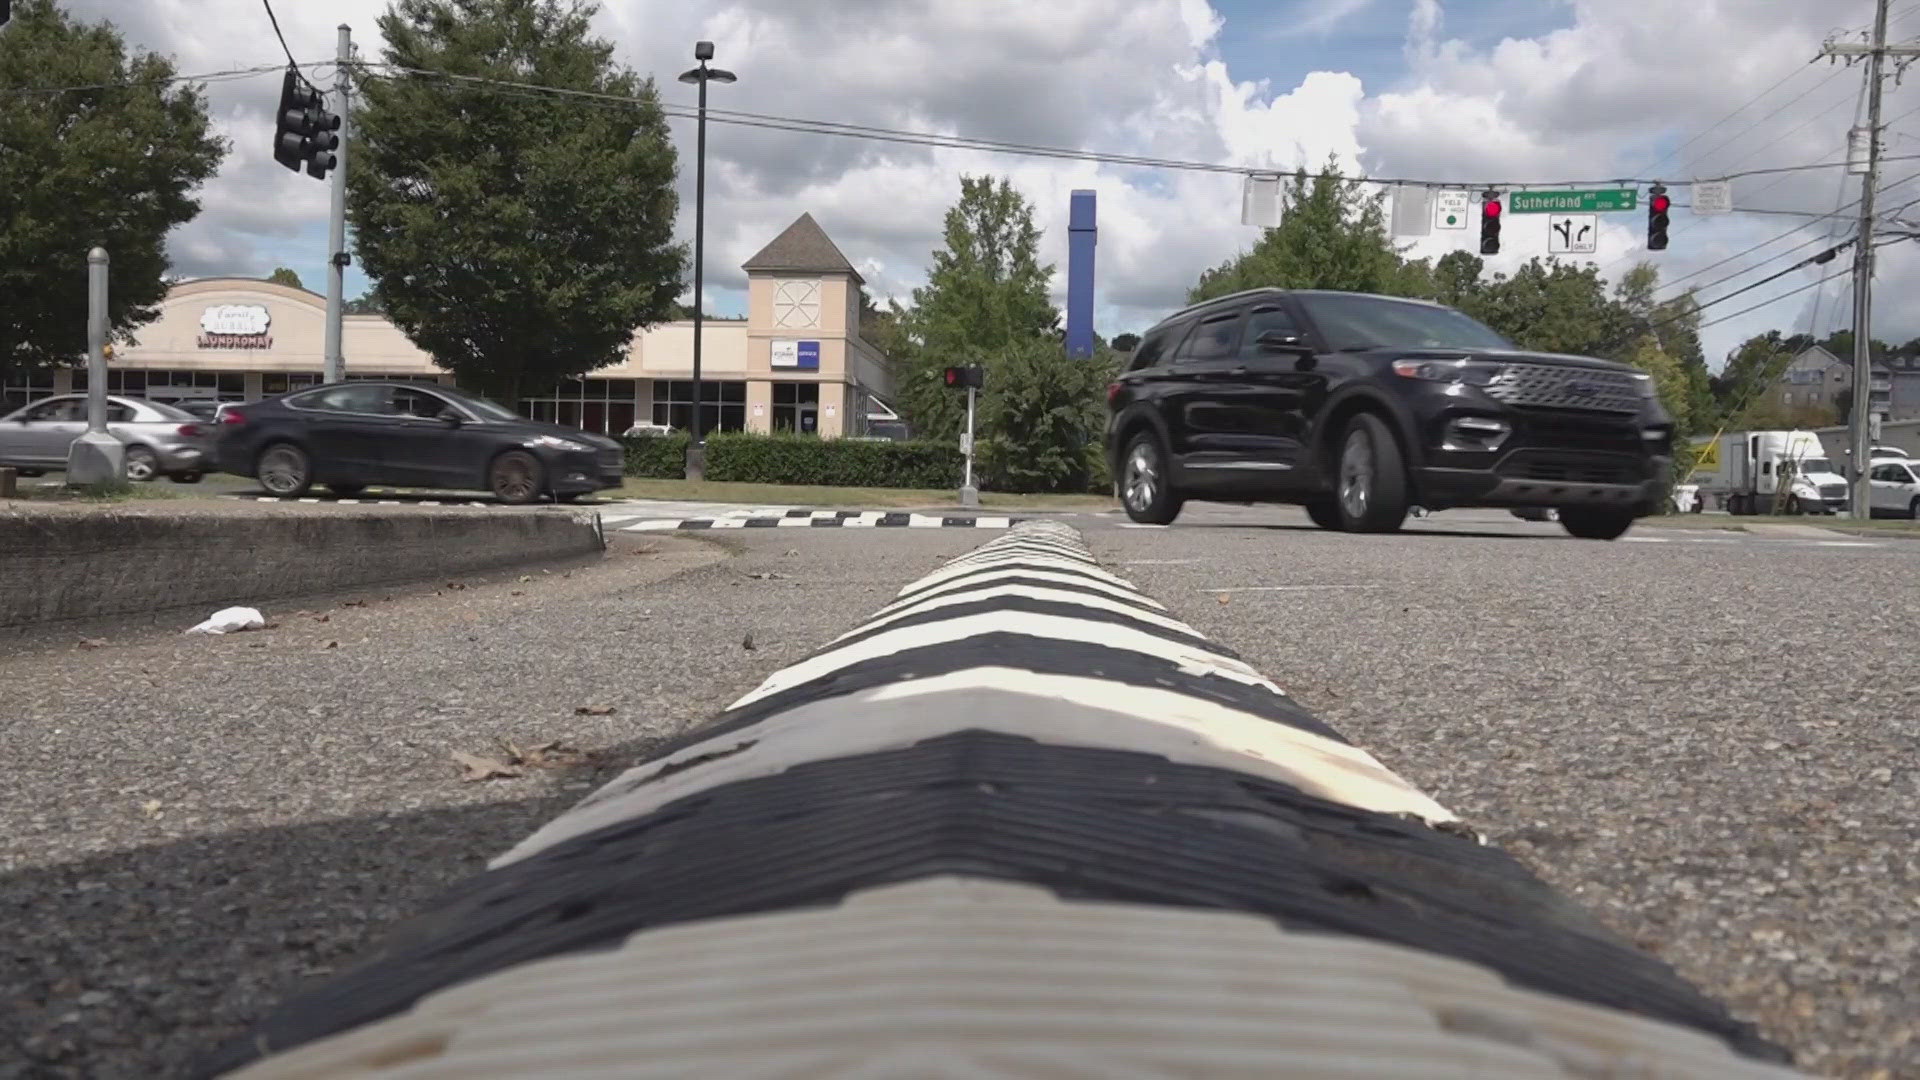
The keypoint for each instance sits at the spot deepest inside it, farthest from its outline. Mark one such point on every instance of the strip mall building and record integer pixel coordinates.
(795, 363)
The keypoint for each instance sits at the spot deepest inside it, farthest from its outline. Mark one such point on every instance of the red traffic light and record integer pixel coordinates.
(1660, 204)
(1490, 208)
(953, 376)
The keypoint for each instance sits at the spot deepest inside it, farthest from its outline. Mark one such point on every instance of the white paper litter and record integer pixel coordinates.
(228, 620)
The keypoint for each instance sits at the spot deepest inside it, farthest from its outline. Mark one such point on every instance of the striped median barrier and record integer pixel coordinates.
(1021, 822)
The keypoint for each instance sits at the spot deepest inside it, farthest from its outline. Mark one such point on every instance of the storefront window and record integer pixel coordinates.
(724, 405)
(602, 405)
(796, 407)
(22, 388)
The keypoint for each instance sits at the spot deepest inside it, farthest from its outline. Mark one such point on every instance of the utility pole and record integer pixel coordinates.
(1875, 53)
(337, 258)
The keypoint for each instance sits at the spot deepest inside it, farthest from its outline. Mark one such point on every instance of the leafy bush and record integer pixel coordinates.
(805, 459)
(657, 457)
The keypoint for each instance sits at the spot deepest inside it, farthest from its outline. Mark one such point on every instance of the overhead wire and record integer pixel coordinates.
(275, 20)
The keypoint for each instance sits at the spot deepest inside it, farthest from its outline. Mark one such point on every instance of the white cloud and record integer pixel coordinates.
(1609, 92)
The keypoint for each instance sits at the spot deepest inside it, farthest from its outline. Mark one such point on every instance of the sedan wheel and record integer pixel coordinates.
(142, 464)
(283, 470)
(515, 478)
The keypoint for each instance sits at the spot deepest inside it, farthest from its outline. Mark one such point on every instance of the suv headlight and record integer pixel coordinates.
(1471, 372)
(1645, 385)
(555, 442)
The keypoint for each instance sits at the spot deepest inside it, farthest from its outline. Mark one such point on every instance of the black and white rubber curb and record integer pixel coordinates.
(825, 519)
(1021, 822)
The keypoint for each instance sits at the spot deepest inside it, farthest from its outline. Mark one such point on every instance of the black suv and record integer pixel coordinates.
(1359, 407)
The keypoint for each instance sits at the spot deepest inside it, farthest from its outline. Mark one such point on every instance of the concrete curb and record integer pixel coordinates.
(1021, 822)
(62, 566)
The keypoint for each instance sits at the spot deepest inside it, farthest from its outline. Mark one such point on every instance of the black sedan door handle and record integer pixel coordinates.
(1236, 373)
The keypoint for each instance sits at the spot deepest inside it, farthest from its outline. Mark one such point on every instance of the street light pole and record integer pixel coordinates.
(701, 76)
(96, 457)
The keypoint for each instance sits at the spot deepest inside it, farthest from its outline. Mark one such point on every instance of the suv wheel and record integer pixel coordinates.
(1324, 513)
(1146, 487)
(1596, 522)
(1914, 510)
(1371, 481)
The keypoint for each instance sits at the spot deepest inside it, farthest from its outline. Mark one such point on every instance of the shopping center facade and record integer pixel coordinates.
(795, 363)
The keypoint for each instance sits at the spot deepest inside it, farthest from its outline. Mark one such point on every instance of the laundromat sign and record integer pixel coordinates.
(236, 326)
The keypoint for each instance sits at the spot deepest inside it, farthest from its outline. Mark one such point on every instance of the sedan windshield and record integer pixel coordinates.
(1352, 323)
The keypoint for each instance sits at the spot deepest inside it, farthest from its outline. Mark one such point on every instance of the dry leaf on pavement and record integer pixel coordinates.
(594, 710)
(479, 768)
(93, 643)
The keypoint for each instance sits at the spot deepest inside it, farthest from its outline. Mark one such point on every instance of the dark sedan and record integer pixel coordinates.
(350, 435)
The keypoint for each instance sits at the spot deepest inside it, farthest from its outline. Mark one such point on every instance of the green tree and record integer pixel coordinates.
(985, 298)
(1553, 306)
(115, 165)
(517, 238)
(1042, 414)
(1332, 235)
(364, 304)
(1126, 343)
(283, 276)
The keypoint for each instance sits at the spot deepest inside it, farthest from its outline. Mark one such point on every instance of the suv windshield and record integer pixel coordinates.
(1351, 323)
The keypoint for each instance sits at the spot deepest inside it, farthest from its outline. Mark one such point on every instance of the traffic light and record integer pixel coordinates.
(1657, 207)
(961, 377)
(305, 132)
(1489, 222)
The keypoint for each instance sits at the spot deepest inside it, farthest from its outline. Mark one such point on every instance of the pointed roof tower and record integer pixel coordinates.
(805, 248)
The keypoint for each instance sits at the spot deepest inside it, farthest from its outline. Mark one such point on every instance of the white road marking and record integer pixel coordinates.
(1283, 588)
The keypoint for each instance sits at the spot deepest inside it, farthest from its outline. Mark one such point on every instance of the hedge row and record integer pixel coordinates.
(801, 459)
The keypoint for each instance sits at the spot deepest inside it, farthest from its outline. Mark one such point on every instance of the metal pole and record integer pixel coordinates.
(1863, 278)
(696, 460)
(97, 456)
(97, 341)
(969, 495)
(336, 361)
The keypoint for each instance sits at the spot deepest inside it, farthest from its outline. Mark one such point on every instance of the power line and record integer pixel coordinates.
(1750, 102)
(1775, 299)
(959, 142)
(275, 20)
(228, 75)
(1703, 155)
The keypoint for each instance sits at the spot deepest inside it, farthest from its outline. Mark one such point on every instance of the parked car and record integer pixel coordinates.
(350, 435)
(1895, 487)
(647, 431)
(1358, 407)
(199, 408)
(160, 439)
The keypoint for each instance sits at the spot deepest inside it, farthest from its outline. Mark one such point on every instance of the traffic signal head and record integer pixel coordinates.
(958, 378)
(305, 132)
(1490, 223)
(1657, 207)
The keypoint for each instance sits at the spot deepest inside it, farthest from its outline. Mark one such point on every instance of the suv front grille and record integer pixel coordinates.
(1571, 468)
(613, 459)
(1550, 386)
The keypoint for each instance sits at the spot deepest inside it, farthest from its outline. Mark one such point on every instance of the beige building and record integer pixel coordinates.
(795, 363)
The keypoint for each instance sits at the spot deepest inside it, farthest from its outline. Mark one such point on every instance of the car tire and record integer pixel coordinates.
(1324, 513)
(1596, 522)
(515, 478)
(346, 491)
(187, 477)
(1146, 482)
(284, 470)
(143, 465)
(1370, 478)
(1913, 511)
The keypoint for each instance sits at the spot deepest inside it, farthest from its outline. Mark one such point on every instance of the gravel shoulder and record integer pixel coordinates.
(192, 825)
(1713, 749)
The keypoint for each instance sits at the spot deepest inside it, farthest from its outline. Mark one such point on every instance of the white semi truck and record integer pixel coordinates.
(1769, 472)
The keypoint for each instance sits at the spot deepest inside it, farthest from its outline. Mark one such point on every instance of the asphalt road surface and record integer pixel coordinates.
(1709, 744)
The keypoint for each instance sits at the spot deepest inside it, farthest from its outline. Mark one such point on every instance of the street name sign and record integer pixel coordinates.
(1591, 201)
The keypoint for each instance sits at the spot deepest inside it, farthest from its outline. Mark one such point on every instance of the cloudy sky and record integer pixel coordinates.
(1507, 91)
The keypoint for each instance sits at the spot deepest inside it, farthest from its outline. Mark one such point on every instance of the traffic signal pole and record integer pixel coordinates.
(336, 363)
(969, 495)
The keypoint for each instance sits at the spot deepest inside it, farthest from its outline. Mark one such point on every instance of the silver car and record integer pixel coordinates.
(160, 439)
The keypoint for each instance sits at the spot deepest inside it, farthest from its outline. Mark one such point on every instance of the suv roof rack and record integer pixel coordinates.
(1241, 295)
